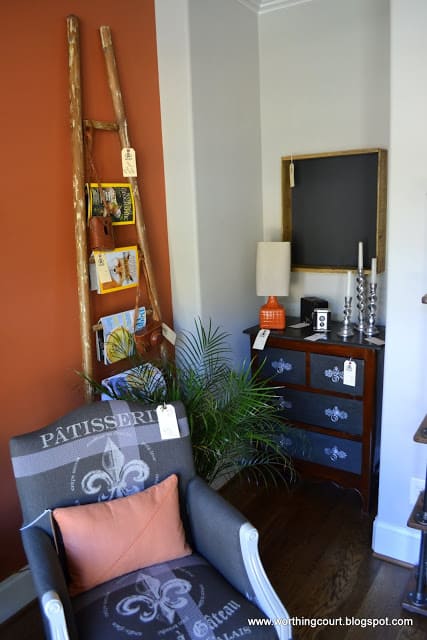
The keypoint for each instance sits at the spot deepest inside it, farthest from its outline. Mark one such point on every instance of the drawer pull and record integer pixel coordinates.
(336, 414)
(285, 404)
(285, 442)
(334, 374)
(281, 366)
(334, 453)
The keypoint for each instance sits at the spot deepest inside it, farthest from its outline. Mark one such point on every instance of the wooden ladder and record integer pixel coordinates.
(152, 335)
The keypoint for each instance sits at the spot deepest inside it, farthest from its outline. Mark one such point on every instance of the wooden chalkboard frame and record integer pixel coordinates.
(345, 206)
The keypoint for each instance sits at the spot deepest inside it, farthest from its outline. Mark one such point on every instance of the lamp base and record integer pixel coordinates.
(272, 315)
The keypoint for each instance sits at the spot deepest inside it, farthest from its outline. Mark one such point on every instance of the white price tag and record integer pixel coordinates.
(316, 336)
(377, 341)
(291, 174)
(261, 339)
(129, 162)
(102, 268)
(349, 373)
(168, 423)
(168, 333)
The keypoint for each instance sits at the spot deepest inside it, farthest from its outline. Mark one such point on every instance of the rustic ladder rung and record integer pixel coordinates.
(99, 124)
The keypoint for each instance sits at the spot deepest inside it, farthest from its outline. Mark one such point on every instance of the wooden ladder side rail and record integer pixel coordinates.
(116, 95)
(80, 230)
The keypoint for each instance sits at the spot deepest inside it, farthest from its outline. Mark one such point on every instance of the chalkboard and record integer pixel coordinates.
(339, 200)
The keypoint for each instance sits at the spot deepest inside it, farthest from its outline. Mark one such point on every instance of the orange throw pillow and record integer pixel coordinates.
(104, 540)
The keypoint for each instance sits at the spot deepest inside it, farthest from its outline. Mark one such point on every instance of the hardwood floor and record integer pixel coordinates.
(316, 547)
(315, 544)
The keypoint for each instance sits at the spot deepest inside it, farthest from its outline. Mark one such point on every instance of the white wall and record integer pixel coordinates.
(324, 69)
(209, 89)
(324, 76)
(405, 397)
(225, 72)
(173, 52)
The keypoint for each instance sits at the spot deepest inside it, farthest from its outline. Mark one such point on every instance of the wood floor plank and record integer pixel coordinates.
(315, 543)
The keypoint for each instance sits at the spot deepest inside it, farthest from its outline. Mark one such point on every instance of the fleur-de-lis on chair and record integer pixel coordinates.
(117, 478)
(155, 599)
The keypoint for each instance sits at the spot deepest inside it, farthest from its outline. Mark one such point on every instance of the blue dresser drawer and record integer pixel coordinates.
(284, 366)
(327, 372)
(341, 414)
(326, 450)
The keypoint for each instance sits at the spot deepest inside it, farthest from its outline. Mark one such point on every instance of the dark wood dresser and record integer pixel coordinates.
(334, 429)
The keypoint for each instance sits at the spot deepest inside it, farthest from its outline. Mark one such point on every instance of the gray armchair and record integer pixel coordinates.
(105, 451)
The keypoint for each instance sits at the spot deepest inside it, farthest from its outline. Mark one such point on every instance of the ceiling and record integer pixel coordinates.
(265, 6)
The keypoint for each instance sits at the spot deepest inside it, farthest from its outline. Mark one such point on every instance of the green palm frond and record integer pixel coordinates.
(233, 415)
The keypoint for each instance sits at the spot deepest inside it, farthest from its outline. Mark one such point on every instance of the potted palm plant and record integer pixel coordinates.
(233, 413)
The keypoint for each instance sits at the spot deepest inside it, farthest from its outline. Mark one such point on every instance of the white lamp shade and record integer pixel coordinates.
(273, 268)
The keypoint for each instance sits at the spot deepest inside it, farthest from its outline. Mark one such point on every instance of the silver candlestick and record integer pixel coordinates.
(361, 300)
(371, 329)
(346, 330)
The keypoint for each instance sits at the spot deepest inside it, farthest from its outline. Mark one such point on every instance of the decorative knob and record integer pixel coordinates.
(336, 414)
(334, 453)
(281, 366)
(334, 374)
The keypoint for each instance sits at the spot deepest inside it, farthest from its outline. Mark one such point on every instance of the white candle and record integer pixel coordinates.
(374, 271)
(360, 260)
(348, 294)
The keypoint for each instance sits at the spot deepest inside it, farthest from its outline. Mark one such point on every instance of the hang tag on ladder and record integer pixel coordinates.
(129, 163)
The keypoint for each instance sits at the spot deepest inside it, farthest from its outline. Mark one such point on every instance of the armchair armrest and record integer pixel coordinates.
(54, 612)
(230, 543)
(49, 582)
(215, 528)
(266, 597)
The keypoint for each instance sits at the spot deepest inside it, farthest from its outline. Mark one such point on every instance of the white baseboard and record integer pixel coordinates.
(398, 543)
(16, 592)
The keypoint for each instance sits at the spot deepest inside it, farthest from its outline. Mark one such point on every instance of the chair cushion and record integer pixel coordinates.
(181, 599)
(104, 540)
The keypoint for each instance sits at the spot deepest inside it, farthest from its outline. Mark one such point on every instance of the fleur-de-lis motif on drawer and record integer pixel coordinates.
(334, 453)
(336, 414)
(280, 366)
(334, 374)
(284, 404)
(285, 442)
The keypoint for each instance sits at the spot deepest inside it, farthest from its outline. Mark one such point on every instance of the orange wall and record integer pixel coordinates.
(39, 308)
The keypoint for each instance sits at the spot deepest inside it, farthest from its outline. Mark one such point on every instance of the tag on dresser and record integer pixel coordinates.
(349, 373)
(316, 336)
(377, 341)
(261, 339)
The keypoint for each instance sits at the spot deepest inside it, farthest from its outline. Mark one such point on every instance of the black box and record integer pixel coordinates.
(308, 305)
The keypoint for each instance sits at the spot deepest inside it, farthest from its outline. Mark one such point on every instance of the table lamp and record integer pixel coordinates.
(273, 272)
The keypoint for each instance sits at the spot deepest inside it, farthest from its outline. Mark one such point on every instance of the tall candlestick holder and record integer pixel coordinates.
(361, 300)
(346, 330)
(371, 329)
